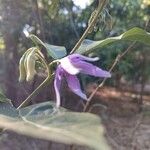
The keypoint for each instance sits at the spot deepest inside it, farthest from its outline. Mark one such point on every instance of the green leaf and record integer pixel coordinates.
(45, 122)
(134, 34)
(54, 51)
(8, 111)
(4, 99)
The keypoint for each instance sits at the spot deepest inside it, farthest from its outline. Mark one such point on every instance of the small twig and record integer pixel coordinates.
(119, 56)
(128, 49)
(99, 10)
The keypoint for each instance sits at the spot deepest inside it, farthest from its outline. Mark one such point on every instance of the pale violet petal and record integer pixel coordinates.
(57, 84)
(90, 69)
(74, 85)
(77, 57)
(89, 58)
(68, 67)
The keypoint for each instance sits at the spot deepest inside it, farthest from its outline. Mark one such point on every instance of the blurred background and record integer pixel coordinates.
(62, 22)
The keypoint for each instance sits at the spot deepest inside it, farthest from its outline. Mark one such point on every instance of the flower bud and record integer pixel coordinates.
(30, 65)
(26, 56)
(27, 64)
(22, 71)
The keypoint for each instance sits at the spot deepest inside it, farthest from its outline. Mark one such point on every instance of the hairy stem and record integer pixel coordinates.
(118, 58)
(101, 5)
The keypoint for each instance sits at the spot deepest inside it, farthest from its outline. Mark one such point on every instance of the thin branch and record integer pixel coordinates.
(118, 58)
(99, 10)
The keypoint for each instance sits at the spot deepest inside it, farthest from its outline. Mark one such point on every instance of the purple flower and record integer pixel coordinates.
(69, 67)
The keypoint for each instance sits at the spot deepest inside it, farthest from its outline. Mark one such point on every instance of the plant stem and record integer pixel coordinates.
(118, 58)
(99, 10)
(35, 92)
(43, 84)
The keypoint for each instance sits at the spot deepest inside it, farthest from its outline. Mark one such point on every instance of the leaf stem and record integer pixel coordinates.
(101, 5)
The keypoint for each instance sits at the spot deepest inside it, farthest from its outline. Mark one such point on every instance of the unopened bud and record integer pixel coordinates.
(22, 71)
(30, 64)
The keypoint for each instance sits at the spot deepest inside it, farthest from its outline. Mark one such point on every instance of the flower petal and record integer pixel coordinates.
(68, 67)
(74, 85)
(78, 57)
(90, 69)
(57, 84)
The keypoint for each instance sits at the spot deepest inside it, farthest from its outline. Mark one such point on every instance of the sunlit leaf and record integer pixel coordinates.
(45, 122)
(54, 51)
(135, 34)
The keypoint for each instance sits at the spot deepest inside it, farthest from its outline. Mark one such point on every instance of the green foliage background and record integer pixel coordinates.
(62, 23)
